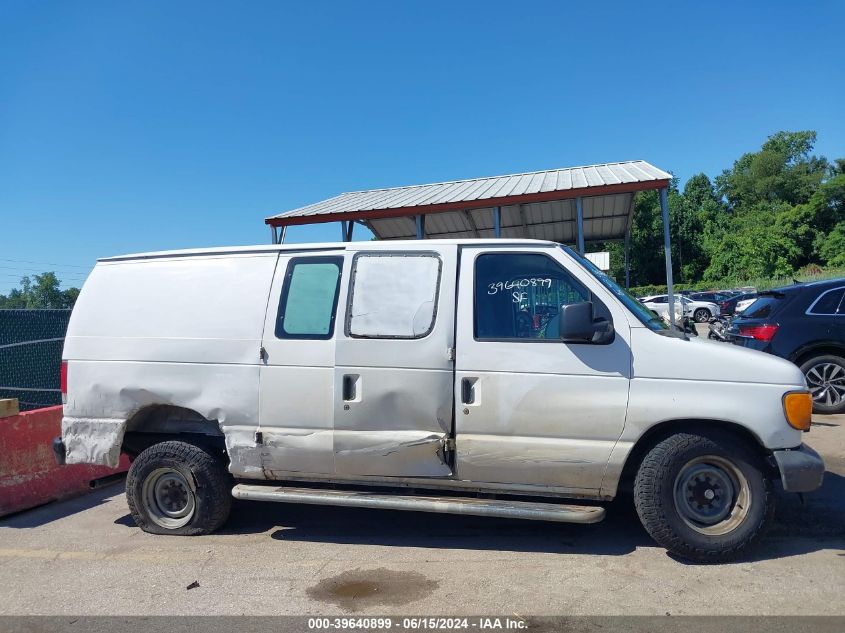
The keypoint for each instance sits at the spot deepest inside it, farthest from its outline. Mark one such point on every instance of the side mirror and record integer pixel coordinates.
(577, 325)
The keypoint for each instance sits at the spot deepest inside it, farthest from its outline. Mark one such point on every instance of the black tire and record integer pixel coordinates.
(178, 488)
(701, 315)
(815, 370)
(674, 466)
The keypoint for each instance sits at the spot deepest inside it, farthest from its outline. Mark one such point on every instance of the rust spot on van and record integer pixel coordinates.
(359, 589)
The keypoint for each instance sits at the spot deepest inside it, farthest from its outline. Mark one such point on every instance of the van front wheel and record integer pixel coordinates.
(178, 488)
(704, 497)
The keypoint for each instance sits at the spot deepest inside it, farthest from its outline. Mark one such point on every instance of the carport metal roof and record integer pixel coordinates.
(572, 205)
(540, 205)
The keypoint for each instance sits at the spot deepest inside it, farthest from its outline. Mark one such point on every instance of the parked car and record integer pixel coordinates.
(729, 306)
(742, 304)
(711, 297)
(448, 367)
(701, 311)
(805, 324)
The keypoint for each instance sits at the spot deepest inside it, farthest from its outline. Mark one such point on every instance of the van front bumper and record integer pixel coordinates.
(801, 469)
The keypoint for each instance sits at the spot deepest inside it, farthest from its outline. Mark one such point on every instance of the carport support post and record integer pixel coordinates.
(497, 222)
(579, 213)
(420, 222)
(667, 249)
(346, 229)
(273, 235)
(627, 260)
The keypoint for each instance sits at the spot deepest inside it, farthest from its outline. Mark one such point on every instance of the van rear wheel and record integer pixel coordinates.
(704, 497)
(178, 488)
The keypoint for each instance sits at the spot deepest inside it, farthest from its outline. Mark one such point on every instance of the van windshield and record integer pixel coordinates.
(643, 314)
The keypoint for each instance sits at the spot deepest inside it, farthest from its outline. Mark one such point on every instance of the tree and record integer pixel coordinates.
(782, 171)
(42, 291)
(698, 208)
(832, 246)
(646, 244)
(753, 246)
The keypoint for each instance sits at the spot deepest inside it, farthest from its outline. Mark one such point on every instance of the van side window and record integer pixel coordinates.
(393, 295)
(309, 298)
(518, 296)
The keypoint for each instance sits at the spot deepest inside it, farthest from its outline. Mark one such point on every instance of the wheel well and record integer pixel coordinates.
(160, 423)
(661, 431)
(818, 351)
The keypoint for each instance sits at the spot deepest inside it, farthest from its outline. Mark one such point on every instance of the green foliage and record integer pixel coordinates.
(811, 273)
(783, 170)
(832, 246)
(40, 291)
(774, 212)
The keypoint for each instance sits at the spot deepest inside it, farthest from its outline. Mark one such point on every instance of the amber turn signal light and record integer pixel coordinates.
(798, 408)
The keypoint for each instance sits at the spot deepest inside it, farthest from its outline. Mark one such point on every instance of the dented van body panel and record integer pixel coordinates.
(165, 331)
(382, 363)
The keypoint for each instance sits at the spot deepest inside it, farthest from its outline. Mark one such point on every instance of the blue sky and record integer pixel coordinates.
(139, 126)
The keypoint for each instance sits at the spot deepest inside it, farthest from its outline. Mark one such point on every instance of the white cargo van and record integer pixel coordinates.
(497, 378)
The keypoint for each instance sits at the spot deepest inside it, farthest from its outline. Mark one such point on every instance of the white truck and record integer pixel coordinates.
(489, 377)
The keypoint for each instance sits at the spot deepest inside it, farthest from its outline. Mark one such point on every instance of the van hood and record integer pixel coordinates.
(657, 356)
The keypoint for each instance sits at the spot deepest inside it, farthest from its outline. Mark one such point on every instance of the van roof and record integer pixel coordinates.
(273, 248)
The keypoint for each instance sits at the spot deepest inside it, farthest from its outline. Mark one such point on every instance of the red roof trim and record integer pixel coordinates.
(401, 212)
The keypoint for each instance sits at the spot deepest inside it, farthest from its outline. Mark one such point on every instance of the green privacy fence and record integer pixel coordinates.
(31, 356)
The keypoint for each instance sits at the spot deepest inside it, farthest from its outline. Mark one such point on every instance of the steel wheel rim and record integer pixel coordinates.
(827, 383)
(712, 496)
(169, 498)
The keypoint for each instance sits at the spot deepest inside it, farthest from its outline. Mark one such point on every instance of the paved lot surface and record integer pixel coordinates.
(85, 556)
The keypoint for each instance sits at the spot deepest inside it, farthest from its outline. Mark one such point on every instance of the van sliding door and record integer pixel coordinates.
(393, 362)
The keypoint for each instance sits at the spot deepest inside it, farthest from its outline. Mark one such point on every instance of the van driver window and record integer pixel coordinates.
(309, 298)
(518, 296)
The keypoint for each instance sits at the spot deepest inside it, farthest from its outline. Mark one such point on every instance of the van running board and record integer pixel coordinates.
(448, 505)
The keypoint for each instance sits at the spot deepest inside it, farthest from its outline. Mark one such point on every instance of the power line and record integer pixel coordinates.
(18, 277)
(32, 276)
(39, 271)
(27, 261)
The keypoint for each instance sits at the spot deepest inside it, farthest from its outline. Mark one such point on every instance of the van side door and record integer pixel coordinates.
(297, 373)
(394, 367)
(532, 409)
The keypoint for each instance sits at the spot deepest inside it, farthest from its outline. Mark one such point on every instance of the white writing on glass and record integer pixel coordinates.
(525, 282)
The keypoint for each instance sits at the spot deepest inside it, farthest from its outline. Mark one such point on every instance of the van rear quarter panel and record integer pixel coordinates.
(183, 331)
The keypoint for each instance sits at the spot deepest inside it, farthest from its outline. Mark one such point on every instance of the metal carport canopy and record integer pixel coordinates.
(571, 205)
(541, 205)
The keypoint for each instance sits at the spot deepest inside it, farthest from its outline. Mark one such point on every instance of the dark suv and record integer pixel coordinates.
(805, 324)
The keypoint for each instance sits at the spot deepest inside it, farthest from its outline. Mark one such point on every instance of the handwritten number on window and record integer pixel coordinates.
(518, 284)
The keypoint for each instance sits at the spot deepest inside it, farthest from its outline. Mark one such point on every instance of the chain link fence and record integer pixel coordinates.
(31, 356)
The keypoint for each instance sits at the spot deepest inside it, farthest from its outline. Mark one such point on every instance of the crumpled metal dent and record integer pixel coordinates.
(93, 440)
